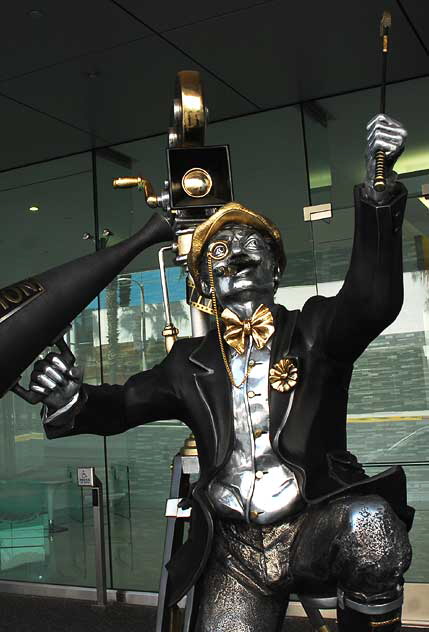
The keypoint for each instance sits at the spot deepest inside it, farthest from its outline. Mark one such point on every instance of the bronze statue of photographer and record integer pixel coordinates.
(280, 505)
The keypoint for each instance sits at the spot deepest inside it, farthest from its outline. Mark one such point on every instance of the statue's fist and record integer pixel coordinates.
(56, 380)
(383, 132)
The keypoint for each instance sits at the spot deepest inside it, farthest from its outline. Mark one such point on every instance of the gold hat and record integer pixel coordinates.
(236, 213)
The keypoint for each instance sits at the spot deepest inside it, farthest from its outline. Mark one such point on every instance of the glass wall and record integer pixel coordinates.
(389, 401)
(44, 525)
(282, 160)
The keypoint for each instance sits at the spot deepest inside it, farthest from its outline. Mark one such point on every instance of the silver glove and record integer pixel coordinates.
(56, 380)
(383, 132)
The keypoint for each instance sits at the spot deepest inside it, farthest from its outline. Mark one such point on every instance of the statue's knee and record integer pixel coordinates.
(362, 507)
(371, 521)
(375, 541)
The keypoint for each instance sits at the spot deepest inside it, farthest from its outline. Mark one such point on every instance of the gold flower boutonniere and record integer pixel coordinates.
(284, 375)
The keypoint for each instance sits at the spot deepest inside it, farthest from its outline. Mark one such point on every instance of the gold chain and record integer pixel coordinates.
(219, 333)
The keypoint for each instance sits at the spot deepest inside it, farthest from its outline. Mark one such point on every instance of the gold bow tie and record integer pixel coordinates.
(260, 327)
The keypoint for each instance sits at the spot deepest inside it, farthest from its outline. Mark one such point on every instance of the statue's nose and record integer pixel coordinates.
(235, 247)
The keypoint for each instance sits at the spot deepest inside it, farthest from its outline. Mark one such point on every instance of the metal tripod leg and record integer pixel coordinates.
(168, 619)
(316, 619)
(188, 610)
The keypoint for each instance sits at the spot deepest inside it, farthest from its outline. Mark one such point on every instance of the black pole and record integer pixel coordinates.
(380, 156)
(383, 82)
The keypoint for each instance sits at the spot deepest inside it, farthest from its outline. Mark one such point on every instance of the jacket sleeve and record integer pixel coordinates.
(372, 294)
(111, 409)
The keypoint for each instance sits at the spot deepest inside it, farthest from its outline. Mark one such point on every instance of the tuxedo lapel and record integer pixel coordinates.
(280, 403)
(214, 388)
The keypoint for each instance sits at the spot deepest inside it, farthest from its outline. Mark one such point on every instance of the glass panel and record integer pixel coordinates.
(139, 473)
(131, 320)
(418, 497)
(268, 167)
(46, 532)
(391, 376)
(388, 412)
(137, 515)
(336, 145)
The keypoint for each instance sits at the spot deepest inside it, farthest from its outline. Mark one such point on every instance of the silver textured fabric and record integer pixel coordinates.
(354, 542)
(254, 486)
(359, 543)
(230, 606)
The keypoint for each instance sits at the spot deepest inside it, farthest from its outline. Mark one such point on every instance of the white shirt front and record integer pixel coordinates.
(254, 485)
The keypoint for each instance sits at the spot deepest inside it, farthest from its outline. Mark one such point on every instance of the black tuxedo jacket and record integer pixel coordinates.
(326, 337)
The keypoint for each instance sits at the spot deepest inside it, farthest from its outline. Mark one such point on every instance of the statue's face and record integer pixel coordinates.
(248, 265)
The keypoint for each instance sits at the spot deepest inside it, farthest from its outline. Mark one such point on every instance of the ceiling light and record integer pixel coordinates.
(36, 14)
(33, 209)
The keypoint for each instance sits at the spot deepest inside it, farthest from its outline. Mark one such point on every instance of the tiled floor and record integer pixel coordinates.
(35, 614)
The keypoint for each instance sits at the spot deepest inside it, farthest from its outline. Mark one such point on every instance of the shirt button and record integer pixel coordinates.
(259, 474)
(251, 394)
(258, 433)
(251, 363)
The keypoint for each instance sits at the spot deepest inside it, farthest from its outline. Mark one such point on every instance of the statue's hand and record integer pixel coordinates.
(389, 135)
(56, 380)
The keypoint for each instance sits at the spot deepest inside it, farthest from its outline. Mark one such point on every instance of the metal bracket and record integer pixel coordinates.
(317, 211)
(369, 608)
(86, 477)
(190, 465)
(172, 509)
(340, 597)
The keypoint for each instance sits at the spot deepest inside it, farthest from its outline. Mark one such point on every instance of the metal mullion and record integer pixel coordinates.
(97, 247)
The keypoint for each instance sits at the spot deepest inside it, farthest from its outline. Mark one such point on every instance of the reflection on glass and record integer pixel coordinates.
(127, 330)
(45, 522)
(138, 527)
(130, 324)
(388, 412)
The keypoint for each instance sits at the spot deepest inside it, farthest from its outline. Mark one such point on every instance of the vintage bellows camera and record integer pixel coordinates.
(199, 176)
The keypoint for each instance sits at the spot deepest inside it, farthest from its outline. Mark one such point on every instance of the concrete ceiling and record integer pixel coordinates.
(84, 74)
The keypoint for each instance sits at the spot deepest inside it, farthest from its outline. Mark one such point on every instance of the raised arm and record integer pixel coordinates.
(372, 294)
